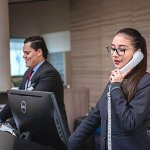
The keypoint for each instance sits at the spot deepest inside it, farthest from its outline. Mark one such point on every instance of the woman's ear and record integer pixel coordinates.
(139, 50)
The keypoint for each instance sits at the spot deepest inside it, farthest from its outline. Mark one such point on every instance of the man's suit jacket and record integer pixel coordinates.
(46, 78)
(129, 120)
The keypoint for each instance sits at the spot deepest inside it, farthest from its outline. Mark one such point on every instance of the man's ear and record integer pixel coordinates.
(39, 52)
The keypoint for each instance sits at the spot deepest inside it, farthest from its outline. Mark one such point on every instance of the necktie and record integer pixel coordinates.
(29, 74)
(28, 83)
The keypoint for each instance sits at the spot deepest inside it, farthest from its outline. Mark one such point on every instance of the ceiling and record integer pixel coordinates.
(21, 1)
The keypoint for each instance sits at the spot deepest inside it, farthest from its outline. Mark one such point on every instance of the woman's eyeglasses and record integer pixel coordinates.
(120, 51)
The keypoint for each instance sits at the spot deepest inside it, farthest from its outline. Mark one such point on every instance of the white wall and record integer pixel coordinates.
(58, 41)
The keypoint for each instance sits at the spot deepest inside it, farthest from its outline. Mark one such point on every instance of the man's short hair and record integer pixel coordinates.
(38, 42)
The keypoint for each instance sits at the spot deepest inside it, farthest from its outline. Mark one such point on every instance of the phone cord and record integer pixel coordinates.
(109, 142)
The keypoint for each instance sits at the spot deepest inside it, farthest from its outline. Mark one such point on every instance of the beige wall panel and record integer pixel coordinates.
(86, 47)
(93, 25)
(94, 82)
(5, 81)
(90, 64)
(141, 21)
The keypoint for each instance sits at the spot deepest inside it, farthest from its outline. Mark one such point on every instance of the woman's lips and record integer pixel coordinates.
(117, 62)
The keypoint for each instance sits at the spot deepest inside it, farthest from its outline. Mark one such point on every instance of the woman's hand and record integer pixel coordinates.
(117, 76)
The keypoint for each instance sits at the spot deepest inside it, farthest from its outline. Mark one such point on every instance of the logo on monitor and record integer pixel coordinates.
(23, 107)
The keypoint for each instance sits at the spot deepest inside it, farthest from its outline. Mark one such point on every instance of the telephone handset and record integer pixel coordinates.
(137, 58)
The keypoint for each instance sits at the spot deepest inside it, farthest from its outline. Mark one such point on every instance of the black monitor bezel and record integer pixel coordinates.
(57, 116)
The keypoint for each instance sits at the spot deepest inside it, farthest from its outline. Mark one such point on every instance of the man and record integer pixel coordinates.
(41, 76)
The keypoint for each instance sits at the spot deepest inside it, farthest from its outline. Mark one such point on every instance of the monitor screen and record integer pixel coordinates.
(37, 113)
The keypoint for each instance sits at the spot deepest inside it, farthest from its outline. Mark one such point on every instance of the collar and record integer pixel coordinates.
(37, 66)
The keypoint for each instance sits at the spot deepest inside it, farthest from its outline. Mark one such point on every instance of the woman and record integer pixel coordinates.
(130, 99)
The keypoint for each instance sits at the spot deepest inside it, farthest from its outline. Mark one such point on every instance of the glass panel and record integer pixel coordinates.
(16, 57)
(57, 60)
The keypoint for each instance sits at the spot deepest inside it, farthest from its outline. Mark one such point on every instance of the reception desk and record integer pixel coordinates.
(10, 142)
(76, 104)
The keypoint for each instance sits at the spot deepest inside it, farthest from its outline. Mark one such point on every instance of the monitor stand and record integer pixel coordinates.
(10, 142)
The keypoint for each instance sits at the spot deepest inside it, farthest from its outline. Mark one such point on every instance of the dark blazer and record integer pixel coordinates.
(46, 78)
(129, 120)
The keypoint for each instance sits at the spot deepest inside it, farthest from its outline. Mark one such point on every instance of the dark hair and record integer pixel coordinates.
(129, 85)
(37, 42)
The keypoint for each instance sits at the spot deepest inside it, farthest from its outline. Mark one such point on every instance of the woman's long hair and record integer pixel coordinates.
(130, 82)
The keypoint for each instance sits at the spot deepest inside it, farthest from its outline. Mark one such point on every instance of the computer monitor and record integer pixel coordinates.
(37, 112)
